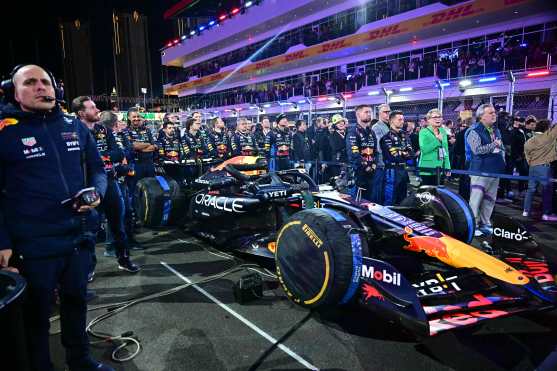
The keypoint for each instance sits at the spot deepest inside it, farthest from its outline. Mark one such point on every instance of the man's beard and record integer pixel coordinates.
(366, 121)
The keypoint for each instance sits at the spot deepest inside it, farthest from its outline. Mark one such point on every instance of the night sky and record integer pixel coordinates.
(35, 38)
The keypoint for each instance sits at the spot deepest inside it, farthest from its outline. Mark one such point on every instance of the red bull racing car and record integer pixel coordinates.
(413, 263)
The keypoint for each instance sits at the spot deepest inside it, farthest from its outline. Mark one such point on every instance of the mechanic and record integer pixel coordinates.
(144, 148)
(380, 128)
(218, 138)
(44, 157)
(540, 151)
(263, 138)
(434, 149)
(301, 146)
(242, 142)
(112, 204)
(282, 143)
(171, 153)
(396, 149)
(361, 146)
(488, 155)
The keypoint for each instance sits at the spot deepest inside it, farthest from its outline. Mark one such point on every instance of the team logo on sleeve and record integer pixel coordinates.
(29, 141)
(7, 122)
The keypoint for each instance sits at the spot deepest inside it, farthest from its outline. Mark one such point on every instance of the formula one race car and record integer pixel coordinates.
(412, 263)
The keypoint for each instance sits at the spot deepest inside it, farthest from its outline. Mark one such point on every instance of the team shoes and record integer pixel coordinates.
(484, 230)
(545, 217)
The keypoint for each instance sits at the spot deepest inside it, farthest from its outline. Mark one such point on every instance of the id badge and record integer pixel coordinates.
(440, 153)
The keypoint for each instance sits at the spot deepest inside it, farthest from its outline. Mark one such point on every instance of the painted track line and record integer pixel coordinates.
(247, 322)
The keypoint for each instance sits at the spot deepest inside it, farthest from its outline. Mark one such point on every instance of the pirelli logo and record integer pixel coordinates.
(312, 236)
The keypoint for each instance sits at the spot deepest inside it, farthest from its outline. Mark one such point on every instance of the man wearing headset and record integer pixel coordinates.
(46, 159)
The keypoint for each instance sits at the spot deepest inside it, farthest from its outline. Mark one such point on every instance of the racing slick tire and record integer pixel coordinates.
(318, 257)
(463, 224)
(154, 203)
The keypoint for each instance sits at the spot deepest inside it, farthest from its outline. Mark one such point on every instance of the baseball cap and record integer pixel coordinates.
(336, 118)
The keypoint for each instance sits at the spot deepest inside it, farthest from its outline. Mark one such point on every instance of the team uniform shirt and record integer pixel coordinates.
(282, 141)
(219, 141)
(243, 144)
(361, 145)
(110, 152)
(396, 149)
(264, 141)
(194, 146)
(141, 135)
(170, 148)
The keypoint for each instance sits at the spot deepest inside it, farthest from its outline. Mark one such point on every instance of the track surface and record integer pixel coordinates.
(194, 330)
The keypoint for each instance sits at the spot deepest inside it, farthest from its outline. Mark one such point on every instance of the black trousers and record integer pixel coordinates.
(69, 275)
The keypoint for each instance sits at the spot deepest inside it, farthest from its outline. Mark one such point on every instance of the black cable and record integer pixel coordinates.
(281, 340)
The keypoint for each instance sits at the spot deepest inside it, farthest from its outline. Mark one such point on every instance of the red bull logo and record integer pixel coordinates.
(432, 246)
(371, 292)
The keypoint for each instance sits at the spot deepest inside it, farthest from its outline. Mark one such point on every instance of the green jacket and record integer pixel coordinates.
(429, 149)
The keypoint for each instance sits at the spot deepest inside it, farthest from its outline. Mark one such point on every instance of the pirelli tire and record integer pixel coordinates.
(461, 216)
(150, 199)
(318, 258)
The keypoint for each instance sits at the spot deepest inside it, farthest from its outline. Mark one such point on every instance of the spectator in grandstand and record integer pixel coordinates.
(540, 151)
(242, 142)
(282, 143)
(396, 150)
(361, 147)
(337, 141)
(219, 139)
(487, 156)
(380, 128)
(301, 146)
(434, 149)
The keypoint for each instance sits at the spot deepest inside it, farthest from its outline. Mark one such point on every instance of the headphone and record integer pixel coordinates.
(9, 89)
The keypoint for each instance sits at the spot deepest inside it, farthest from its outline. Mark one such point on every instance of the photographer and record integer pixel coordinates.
(47, 158)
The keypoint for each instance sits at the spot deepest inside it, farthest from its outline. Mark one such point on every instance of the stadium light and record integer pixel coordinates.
(222, 17)
(346, 95)
(267, 105)
(201, 28)
(538, 73)
(183, 37)
(331, 99)
(445, 84)
(465, 83)
(253, 107)
(375, 92)
(389, 92)
(302, 101)
(212, 23)
(408, 88)
(192, 32)
(321, 99)
(235, 11)
(248, 4)
(487, 79)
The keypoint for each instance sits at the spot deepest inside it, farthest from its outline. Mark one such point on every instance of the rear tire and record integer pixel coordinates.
(150, 201)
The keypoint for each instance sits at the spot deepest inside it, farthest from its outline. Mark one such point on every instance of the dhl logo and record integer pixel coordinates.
(335, 45)
(453, 14)
(264, 64)
(384, 32)
(294, 56)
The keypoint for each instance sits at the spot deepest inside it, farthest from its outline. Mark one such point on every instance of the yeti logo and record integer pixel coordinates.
(517, 236)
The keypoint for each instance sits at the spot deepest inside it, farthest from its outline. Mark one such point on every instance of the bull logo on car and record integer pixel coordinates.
(432, 246)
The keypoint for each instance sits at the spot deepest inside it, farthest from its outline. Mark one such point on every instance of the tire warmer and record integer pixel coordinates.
(167, 201)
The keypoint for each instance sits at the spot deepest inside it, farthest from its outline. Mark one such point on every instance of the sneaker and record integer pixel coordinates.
(549, 217)
(478, 233)
(90, 295)
(127, 265)
(525, 214)
(91, 276)
(486, 230)
(89, 364)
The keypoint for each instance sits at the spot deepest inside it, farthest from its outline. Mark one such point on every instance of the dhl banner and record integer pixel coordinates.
(462, 11)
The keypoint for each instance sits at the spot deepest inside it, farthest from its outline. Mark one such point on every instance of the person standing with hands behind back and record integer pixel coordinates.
(46, 159)
(434, 148)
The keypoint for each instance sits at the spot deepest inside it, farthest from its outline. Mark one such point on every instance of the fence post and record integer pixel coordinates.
(510, 94)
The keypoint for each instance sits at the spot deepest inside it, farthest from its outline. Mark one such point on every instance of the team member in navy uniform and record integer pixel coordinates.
(194, 140)
(242, 142)
(282, 142)
(144, 148)
(219, 139)
(396, 149)
(113, 201)
(43, 155)
(361, 145)
(337, 140)
(171, 151)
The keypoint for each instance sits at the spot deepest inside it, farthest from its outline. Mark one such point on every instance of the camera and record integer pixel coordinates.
(84, 197)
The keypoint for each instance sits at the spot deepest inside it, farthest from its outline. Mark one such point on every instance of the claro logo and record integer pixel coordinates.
(231, 205)
(517, 236)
